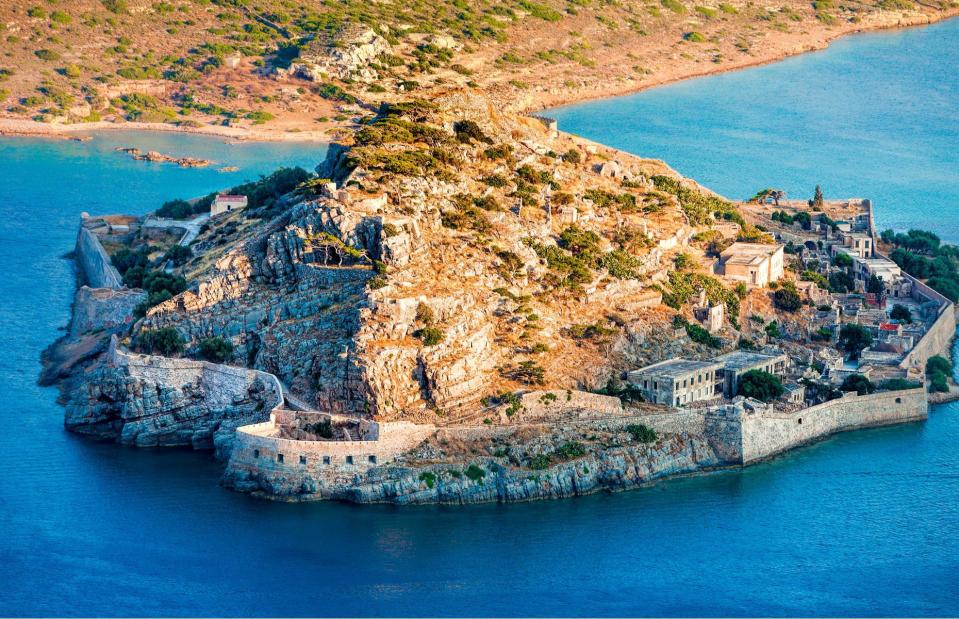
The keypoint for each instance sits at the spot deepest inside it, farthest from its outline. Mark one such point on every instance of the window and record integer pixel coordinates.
(256, 453)
(800, 421)
(372, 459)
(279, 458)
(326, 459)
(349, 459)
(898, 400)
(302, 459)
(677, 401)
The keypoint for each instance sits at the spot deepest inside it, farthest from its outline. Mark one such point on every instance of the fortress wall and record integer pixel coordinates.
(767, 434)
(938, 338)
(255, 459)
(542, 404)
(93, 263)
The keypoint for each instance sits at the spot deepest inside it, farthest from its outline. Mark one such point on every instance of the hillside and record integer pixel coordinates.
(280, 68)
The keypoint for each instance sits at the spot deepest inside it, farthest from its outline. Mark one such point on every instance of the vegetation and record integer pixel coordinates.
(858, 383)
(474, 472)
(697, 333)
(760, 385)
(641, 433)
(938, 373)
(216, 349)
(164, 341)
(854, 338)
(901, 313)
(787, 297)
(430, 336)
(923, 255)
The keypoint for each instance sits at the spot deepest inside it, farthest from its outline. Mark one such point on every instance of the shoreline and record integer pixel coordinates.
(70, 131)
(814, 45)
(542, 101)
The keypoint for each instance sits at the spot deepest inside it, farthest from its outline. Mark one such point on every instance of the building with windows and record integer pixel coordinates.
(737, 363)
(676, 382)
(752, 263)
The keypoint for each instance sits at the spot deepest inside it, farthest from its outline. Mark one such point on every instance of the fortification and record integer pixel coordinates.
(93, 263)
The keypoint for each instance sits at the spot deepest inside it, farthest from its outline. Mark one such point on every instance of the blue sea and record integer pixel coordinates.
(862, 524)
(873, 116)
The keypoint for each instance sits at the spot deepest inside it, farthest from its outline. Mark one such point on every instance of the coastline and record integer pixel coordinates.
(813, 43)
(32, 128)
(532, 102)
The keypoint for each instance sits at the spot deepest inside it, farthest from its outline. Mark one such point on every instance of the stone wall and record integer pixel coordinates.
(104, 309)
(542, 404)
(93, 263)
(939, 336)
(262, 462)
(765, 434)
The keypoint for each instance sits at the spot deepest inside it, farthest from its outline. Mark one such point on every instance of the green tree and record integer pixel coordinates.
(875, 285)
(842, 260)
(760, 385)
(854, 338)
(901, 313)
(858, 383)
(817, 201)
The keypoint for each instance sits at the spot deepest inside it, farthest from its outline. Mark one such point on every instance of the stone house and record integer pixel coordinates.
(737, 363)
(752, 263)
(676, 382)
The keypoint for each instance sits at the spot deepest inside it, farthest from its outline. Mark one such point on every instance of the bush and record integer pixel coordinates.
(216, 349)
(898, 384)
(938, 371)
(760, 385)
(179, 254)
(474, 472)
(467, 131)
(430, 336)
(166, 341)
(570, 450)
(572, 156)
(787, 298)
(641, 433)
(428, 478)
(539, 462)
(47, 54)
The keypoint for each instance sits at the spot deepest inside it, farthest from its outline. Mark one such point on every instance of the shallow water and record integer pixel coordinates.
(863, 524)
(875, 116)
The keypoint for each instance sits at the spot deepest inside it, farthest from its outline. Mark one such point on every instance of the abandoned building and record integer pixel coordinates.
(752, 263)
(676, 382)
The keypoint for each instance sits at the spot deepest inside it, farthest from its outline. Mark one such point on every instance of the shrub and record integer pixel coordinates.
(787, 298)
(898, 384)
(424, 314)
(572, 156)
(430, 336)
(166, 341)
(179, 254)
(46, 54)
(428, 478)
(570, 450)
(216, 349)
(60, 17)
(760, 385)
(474, 472)
(641, 433)
(467, 131)
(175, 209)
(539, 462)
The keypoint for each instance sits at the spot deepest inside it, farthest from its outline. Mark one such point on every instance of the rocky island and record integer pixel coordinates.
(463, 304)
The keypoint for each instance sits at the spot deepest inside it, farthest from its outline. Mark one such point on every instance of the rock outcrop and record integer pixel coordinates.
(346, 55)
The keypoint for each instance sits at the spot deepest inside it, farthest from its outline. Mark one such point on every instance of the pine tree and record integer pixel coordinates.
(817, 200)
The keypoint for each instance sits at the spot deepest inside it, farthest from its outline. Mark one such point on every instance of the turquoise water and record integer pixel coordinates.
(875, 116)
(863, 524)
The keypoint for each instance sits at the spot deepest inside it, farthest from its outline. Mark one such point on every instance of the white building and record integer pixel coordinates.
(224, 203)
(752, 263)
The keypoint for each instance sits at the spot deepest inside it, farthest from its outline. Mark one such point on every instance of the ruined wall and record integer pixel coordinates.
(540, 404)
(767, 434)
(93, 263)
(103, 309)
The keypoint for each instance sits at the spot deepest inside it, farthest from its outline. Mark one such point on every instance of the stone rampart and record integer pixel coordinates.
(939, 336)
(93, 263)
(540, 404)
(766, 434)
(103, 308)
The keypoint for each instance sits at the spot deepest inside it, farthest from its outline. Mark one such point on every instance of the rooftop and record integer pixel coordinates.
(744, 359)
(673, 368)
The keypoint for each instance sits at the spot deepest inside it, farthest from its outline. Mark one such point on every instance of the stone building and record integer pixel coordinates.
(226, 203)
(737, 363)
(752, 263)
(676, 382)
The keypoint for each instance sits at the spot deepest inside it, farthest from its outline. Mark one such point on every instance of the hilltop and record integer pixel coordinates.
(279, 69)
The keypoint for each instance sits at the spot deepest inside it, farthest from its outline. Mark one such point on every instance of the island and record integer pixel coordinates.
(463, 304)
